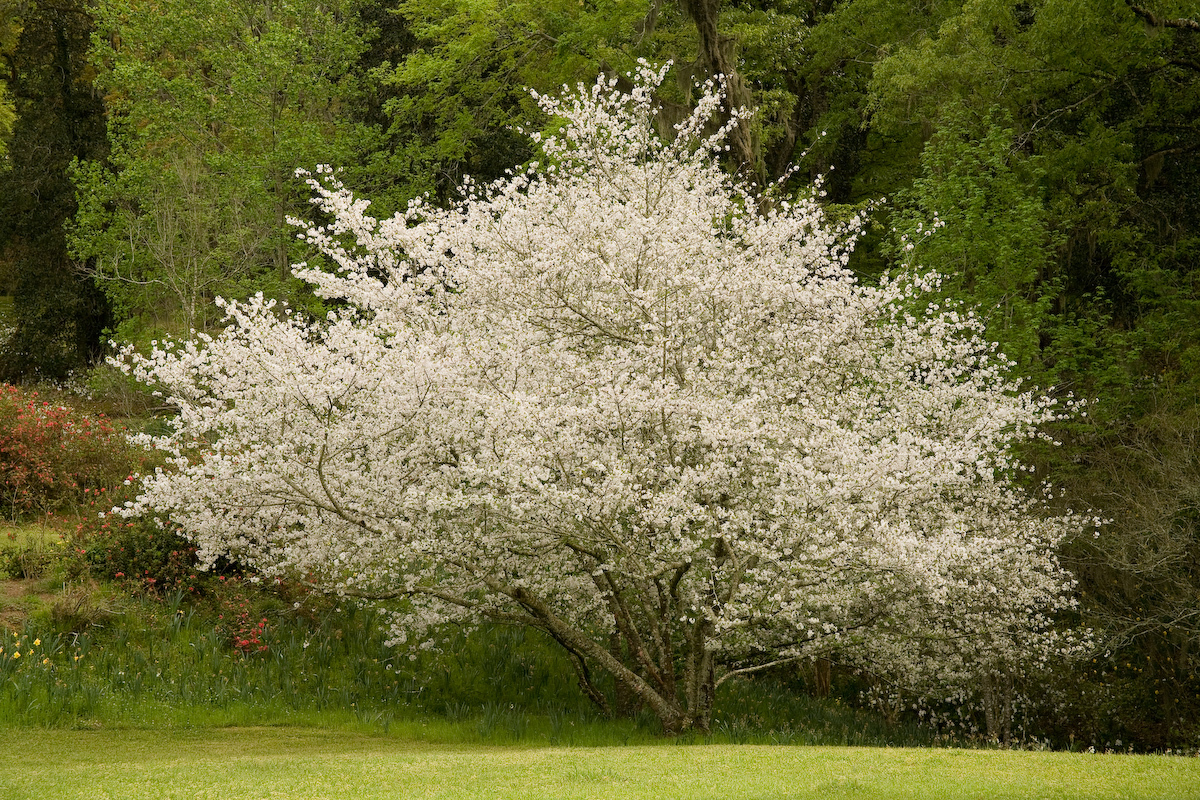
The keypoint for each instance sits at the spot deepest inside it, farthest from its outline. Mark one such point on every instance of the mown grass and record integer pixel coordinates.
(236, 763)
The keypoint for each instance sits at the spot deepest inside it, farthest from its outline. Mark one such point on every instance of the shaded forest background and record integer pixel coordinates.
(149, 148)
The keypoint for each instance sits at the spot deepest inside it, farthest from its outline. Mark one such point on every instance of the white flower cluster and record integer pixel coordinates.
(611, 395)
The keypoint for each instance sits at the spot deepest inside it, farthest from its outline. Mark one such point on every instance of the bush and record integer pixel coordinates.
(53, 456)
(120, 394)
(139, 554)
(78, 609)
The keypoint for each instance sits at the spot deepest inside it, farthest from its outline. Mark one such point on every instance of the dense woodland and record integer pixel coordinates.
(149, 151)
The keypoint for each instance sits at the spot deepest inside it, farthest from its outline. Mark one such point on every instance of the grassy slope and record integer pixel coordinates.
(236, 763)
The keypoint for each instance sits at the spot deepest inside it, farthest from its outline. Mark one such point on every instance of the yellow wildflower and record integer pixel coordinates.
(37, 642)
(17, 654)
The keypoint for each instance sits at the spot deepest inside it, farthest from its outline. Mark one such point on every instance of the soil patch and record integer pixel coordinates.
(18, 597)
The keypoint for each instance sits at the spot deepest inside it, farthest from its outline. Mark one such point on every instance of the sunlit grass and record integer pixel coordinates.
(305, 763)
(40, 531)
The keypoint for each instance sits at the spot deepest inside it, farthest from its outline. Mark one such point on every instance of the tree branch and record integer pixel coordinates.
(665, 707)
(625, 625)
(1162, 22)
(748, 670)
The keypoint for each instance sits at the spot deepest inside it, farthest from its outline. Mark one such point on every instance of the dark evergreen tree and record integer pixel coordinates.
(58, 313)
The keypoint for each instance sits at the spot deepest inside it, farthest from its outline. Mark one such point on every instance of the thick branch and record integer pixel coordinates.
(627, 628)
(698, 677)
(572, 639)
(583, 674)
(645, 26)
(1162, 22)
(748, 670)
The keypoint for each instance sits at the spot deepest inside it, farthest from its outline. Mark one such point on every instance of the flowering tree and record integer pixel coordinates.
(613, 400)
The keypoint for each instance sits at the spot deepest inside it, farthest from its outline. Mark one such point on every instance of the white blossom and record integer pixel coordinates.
(611, 394)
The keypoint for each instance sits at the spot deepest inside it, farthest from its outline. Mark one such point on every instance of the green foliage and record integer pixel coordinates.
(10, 29)
(1061, 149)
(138, 555)
(58, 314)
(7, 117)
(1071, 119)
(459, 95)
(121, 396)
(211, 108)
(996, 247)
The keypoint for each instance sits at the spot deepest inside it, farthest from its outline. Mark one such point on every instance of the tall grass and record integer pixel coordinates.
(172, 664)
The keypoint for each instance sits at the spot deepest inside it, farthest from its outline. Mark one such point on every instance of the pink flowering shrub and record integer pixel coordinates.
(57, 458)
(141, 556)
(53, 456)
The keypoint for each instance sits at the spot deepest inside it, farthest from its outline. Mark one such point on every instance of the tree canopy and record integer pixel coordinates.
(58, 313)
(210, 109)
(610, 398)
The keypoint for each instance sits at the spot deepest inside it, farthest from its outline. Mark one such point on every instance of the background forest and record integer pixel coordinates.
(147, 152)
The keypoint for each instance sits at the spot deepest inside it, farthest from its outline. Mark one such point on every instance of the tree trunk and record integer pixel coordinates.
(822, 677)
(626, 703)
(717, 58)
(693, 713)
(998, 706)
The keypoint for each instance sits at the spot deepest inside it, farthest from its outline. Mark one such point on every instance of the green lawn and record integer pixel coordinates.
(234, 763)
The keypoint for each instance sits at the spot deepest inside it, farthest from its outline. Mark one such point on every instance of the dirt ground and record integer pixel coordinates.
(16, 599)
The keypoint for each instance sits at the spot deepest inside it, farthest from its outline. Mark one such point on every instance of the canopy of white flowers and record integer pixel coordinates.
(613, 399)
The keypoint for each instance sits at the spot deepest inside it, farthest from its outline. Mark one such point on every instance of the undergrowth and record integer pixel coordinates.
(169, 663)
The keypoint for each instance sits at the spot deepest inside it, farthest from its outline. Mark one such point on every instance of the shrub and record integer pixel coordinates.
(241, 620)
(140, 555)
(119, 394)
(53, 456)
(78, 608)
